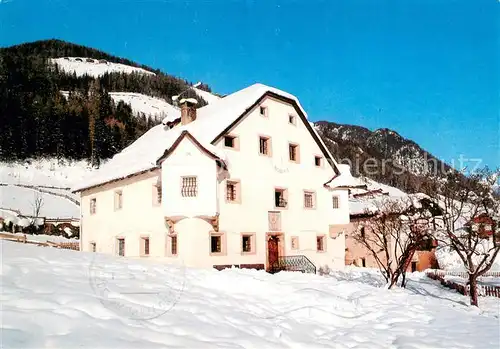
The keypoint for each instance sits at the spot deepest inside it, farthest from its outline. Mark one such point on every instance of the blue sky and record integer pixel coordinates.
(425, 68)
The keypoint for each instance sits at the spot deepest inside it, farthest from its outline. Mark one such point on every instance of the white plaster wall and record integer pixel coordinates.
(259, 175)
(189, 160)
(138, 217)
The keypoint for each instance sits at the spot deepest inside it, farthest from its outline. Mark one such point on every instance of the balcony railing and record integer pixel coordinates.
(293, 263)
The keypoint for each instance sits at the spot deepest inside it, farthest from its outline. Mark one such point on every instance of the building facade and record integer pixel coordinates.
(244, 181)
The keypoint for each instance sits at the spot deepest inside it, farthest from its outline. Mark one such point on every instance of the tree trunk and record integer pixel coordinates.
(473, 289)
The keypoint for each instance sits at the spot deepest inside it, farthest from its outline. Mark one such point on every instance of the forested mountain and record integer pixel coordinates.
(37, 120)
(382, 155)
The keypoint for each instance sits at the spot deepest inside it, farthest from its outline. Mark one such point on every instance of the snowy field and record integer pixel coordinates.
(22, 182)
(66, 299)
(81, 66)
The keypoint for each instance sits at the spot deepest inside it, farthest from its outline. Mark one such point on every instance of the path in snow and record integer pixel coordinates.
(48, 301)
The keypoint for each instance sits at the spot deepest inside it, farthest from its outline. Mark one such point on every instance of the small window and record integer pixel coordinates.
(173, 245)
(320, 243)
(280, 198)
(157, 194)
(362, 232)
(230, 142)
(335, 202)
(295, 242)
(363, 262)
(233, 192)
(264, 146)
(309, 199)
(118, 200)
(93, 247)
(291, 119)
(121, 246)
(145, 246)
(263, 110)
(93, 205)
(317, 161)
(216, 243)
(293, 152)
(247, 243)
(189, 186)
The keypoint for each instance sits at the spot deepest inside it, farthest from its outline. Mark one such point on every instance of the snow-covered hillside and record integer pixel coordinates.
(140, 103)
(66, 299)
(94, 67)
(49, 179)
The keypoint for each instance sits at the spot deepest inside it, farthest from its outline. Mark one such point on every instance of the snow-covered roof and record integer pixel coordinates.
(345, 179)
(211, 121)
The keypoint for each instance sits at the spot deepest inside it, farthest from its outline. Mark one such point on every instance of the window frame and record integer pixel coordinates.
(236, 142)
(187, 190)
(157, 195)
(253, 242)
(292, 119)
(118, 200)
(296, 147)
(143, 239)
(222, 237)
(285, 198)
(322, 237)
(265, 109)
(316, 159)
(336, 202)
(267, 139)
(237, 188)
(93, 206)
(313, 199)
(118, 239)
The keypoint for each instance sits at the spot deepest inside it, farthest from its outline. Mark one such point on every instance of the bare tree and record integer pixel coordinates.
(393, 233)
(469, 220)
(36, 206)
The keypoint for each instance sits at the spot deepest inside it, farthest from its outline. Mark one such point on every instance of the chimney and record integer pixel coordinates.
(188, 110)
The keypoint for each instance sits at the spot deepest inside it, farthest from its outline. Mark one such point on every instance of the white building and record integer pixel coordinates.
(243, 181)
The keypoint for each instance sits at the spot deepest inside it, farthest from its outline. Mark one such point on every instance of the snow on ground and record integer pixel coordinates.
(486, 281)
(94, 67)
(42, 237)
(61, 298)
(207, 96)
(23, 200)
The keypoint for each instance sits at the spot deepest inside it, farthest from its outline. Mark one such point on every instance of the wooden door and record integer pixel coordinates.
(272, 250)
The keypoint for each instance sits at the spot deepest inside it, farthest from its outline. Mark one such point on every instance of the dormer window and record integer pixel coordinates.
(263, 110)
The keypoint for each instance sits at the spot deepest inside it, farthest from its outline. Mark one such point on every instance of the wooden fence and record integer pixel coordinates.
(483, 290)
(75, 246)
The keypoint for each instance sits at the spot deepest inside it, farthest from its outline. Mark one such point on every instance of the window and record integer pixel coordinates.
(362, 232)
(121, 246)
(320, 243)
(215, 243)
(295, 242)
(363, 263)
(293, 152)
(291, 119)
(280, 198)
(189, 186)
(231, 142)
(93, 205)
(317, 161)
(233, 192)
(93, 247)
(145, 246)
(265, 146)
(248, 243)
(263, 110)
(173, 245)
(335, 202)
(309, 199)
(157, 194)
(118, 200)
